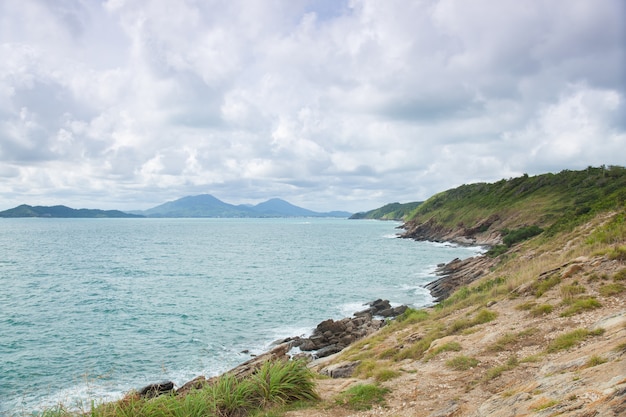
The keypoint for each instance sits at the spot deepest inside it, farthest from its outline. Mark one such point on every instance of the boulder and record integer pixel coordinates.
(156, 389)
(340, 370)
(329, 350)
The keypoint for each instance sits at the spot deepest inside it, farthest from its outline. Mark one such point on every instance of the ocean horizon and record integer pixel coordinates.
(93, 308)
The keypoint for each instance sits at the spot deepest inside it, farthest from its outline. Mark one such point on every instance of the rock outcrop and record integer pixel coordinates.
(482, 233)
(457, 273)
(329, 337)
(332, 336)
(156, 389)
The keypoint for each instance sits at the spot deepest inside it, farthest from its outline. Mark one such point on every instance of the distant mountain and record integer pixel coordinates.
(63, 212)
(205, 205)
(393, 211)
(278, 207)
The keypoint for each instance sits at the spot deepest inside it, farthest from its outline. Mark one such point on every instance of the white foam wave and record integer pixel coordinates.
(348, 309)
(391, 236)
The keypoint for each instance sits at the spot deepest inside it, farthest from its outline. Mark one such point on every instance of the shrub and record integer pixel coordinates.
(515, 236)
(496, 251)
(362, 396)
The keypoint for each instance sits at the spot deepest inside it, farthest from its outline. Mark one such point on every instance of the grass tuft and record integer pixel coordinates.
(568, 340)
(579, 305)
(620, 275)
(541, 310)
(362, 397)
(462, 363)
(543, 286)
(611, 289)
(447, 347)
(568, 292)
(595, 360)
(386, 374)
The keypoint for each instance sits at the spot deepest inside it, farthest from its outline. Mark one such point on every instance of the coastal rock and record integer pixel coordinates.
(340, 370)
(482, 233)
(154, 390)
(457, 273)
(332, 336)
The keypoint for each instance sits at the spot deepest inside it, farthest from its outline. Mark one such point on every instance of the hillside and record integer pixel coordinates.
(392, 211)
(478, 213)
(540, 331)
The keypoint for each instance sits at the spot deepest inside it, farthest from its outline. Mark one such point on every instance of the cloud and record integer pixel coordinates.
(328, 104)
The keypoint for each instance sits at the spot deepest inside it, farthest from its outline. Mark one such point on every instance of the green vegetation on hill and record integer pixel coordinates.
(393, 211)
(553, 202)
(63, 212)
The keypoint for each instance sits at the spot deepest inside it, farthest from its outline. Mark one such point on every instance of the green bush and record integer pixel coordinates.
(512, 237)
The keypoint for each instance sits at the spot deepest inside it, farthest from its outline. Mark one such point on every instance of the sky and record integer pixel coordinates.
(328, 104)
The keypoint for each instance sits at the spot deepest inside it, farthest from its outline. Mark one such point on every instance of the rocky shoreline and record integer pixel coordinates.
(329, 337)
(332, 336)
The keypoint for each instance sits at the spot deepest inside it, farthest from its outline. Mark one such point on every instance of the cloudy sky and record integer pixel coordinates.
(329, 104)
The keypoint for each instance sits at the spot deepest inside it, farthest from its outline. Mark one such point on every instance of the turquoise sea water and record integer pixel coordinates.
(91, 308)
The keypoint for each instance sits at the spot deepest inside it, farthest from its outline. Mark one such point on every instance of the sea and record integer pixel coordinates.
(93, 308)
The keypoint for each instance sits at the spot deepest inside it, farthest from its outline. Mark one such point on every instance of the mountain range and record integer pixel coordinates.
(204, 205)
(25, 210)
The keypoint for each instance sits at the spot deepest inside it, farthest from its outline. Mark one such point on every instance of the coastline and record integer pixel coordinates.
(93, 386)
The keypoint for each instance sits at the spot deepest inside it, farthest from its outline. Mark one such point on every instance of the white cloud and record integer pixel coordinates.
(329, 104)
